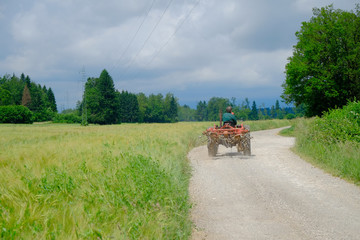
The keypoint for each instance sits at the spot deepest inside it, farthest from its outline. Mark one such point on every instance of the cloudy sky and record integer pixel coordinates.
(195, 49)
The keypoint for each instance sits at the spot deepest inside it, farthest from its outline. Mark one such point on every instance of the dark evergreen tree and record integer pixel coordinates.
(254, 112)
(128, 107)
(51, 99)
(101, 100)
(170, 108)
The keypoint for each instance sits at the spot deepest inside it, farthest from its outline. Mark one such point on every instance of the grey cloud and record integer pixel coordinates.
(224, 48)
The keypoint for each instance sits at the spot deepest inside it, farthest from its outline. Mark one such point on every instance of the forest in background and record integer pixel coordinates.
(103, 104)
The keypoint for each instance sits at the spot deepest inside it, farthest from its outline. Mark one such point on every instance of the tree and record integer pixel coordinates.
(323, 72)
(143, 104)
(186, 113)
(26, 98)
(201, 113)
(216, 104)
(254, 112)
(273, 112)
(244, 110)
(102, 103)
(128, 107)
(51, 100)
(5, 97)
(170, 108)
(107, 101)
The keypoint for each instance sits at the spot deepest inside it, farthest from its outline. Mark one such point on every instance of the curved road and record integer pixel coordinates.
(273, 194)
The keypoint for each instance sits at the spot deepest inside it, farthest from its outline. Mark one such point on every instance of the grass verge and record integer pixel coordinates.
(331, 142)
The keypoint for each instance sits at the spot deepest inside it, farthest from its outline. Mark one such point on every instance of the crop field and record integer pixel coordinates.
(127, 181)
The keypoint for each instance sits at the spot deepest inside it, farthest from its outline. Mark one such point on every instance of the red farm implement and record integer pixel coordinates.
(228, 136)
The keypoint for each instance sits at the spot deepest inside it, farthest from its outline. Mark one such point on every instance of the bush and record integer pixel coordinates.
(43, 115)
(333, 141)
(290, 116)
(340, 124)
(67, 118)
(15, 114)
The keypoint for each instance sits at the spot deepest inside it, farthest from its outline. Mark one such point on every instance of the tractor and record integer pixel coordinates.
(229, 136)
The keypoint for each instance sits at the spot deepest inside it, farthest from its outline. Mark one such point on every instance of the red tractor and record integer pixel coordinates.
(228, 136)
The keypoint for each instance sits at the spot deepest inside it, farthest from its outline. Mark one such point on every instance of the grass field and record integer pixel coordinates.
(127, 181)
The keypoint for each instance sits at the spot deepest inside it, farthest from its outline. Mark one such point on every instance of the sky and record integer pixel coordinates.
(195, 49)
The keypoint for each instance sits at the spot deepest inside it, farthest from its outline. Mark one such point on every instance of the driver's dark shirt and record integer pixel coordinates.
(228, 117)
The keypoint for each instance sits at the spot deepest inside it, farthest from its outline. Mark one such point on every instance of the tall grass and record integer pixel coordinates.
(123, 181)
(333, 141)
(126, 181)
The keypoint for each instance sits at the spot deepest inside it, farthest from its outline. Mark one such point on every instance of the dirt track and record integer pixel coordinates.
(272, 194)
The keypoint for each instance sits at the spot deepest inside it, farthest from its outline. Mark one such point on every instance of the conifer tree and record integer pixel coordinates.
(51, 99)
(26, 97)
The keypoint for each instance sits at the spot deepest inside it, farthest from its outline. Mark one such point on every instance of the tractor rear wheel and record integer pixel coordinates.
(212, 148)
(246, 143)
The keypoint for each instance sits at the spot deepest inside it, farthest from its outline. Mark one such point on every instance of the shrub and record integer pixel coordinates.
(15, 114)
(67, 118)
(340, 124)
(43, 115)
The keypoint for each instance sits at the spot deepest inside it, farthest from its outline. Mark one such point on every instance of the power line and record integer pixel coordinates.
(147, 39)
(133, 38)
(176, 30)
(84, 107)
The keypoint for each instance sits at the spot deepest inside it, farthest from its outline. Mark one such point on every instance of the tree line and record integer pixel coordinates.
(103, 104)
(21, 91)
(209, 111)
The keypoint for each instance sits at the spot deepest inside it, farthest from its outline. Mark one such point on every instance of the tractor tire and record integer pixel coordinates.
(246, 143)
(212, 148)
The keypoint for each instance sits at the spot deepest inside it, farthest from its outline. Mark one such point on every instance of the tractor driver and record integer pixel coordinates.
(229, 117)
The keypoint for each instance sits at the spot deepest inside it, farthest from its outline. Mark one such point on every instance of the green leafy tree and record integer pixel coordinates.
(201, 113)
(5, 97)
(324, 71)
(186, 113)
(244, 110)
(143, 104)
(216, 104)
(155, 109)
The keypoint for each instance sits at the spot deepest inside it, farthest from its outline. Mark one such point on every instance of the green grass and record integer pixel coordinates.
(127, 181)
(268, 124)
(331, 142)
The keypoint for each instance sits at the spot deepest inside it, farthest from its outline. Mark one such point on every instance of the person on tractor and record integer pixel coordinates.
(229, 117)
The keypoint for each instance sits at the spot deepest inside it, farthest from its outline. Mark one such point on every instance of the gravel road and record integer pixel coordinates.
(273, 194)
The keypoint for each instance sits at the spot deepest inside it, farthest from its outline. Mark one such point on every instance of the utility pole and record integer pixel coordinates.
(84, 121)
